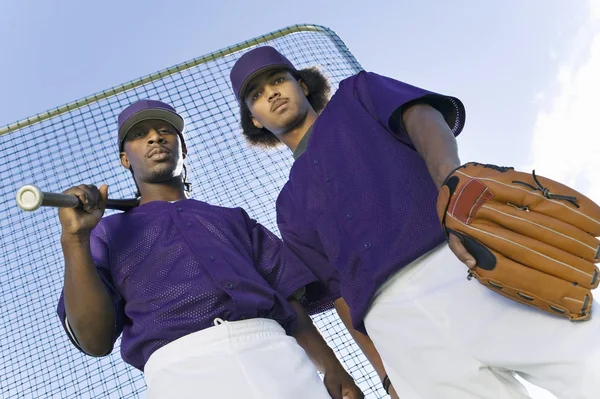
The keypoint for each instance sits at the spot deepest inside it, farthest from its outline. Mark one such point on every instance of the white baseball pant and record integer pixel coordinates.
(241, 359)
(447, 337)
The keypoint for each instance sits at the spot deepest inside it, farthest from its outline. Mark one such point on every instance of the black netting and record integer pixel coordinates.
(78, 145)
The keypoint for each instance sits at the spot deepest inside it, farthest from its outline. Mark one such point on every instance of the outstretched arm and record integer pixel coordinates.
(433, 139)
(363, 342)
(338, 382)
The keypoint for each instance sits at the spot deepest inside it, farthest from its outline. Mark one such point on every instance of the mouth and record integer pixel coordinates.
(278, 104)
(158, 153)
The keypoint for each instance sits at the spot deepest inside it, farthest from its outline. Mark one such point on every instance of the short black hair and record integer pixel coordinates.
(319, 92)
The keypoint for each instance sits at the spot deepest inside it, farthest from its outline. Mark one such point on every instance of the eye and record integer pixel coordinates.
(165, 130)
(279, 80)
(136, 134)
(255, 95)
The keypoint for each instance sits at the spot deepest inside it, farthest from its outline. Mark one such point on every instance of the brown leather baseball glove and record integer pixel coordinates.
(534, 239)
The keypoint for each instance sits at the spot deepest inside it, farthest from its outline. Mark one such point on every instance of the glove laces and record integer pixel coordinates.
(546, 192)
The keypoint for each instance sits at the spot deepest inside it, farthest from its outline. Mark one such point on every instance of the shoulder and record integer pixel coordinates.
(359, 78)
(223, 214)
(349, 82)
(355, 87)
(108, 224)
(223, 211)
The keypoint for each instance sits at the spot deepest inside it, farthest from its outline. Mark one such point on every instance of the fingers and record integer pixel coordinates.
(334, 388)
(88, 194)
(350, 390)
(460, 251)
(90, 198)
(334, 391)
(103, 191)
(342, 386)
(355, 393)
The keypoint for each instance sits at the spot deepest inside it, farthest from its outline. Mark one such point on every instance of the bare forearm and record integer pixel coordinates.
(433, 139)
(87, 303)
(363, 341)
(311, 340)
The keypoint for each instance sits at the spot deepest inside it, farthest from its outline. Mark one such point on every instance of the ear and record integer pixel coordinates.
(124, 160)
(183, 149)
(255, 122)
(304, 87)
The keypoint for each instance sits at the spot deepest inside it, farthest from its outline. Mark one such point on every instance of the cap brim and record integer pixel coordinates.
(148, 114)
(254, 74)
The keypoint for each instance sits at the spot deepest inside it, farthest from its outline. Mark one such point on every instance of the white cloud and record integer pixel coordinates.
(566, 138)
(595, 10)
(539, 97)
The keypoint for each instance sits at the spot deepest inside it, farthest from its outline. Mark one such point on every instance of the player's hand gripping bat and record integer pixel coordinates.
(30, 198)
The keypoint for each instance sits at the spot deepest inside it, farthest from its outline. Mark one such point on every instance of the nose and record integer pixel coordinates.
(155, 137)
(273, 93)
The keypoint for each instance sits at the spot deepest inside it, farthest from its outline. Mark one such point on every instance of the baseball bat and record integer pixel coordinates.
(30, 198)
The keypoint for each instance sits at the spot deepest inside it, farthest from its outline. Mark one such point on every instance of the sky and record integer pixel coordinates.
(527, 71)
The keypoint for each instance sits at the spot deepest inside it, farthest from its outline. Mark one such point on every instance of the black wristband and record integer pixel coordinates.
(386, 384)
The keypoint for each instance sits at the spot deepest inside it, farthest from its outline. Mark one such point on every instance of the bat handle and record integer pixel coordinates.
(30, 198)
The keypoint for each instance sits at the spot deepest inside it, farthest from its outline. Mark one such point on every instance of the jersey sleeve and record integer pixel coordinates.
(281, 268)
(318, 297)
(100, 254)
(385, 99)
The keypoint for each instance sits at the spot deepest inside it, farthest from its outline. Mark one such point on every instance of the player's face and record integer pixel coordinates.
(277, 101)
(153, 150)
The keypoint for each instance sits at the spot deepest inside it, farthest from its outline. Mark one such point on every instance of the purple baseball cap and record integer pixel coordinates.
(253, 63)
(143, 110)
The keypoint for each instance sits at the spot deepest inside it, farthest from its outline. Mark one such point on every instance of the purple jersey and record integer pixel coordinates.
(172, 268)
(360, 197)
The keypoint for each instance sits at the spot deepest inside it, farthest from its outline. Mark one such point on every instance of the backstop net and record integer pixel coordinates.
(66, 146)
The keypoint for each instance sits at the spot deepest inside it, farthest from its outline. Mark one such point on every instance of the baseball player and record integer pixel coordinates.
(206, 299)
(375, 168)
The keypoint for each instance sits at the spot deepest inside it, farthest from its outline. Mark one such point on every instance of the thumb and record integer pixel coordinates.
(103, 197)
(455, 243)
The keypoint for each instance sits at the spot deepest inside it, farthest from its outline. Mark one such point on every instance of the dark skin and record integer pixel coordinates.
(363, 342)
(278, 102)
(154, 151)
(338, 382)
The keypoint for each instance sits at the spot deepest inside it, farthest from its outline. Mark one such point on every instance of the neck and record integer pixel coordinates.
(172, 190)
(293, 136)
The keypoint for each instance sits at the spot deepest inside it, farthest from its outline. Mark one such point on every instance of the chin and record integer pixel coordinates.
(291, 123)
(164, 172)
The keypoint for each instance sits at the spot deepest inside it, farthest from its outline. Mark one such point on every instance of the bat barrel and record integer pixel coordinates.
(30, 198)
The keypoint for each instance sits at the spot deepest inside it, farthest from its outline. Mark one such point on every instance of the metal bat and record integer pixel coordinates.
(30, 198)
